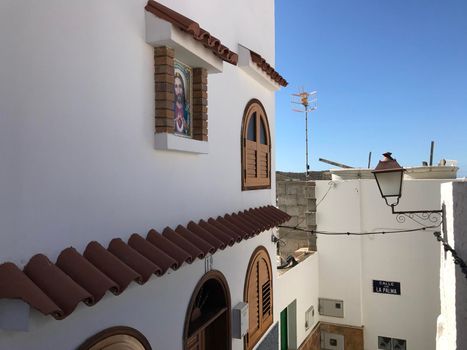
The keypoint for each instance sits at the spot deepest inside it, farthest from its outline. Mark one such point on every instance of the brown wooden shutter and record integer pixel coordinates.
(256, 154)
(259, 297)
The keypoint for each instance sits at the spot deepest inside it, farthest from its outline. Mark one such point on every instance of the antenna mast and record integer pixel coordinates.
(309, 102)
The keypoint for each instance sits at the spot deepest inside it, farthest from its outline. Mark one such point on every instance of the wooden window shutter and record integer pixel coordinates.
(256, 148)
(258, 295)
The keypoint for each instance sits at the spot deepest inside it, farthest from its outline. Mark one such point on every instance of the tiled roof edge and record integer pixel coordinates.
(56, 289)
(188, 25)
(268, 69)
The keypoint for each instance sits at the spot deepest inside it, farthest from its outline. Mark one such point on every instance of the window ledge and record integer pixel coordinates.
(187, 50)
(170, 142)
(245, 63)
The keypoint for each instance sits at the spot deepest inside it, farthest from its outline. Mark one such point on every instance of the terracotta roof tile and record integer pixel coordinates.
(223, 236)
(56, 289)
(184, 244)
(150, 251)
(14, 284)
(234, 235)
(216, 242)
(138, 264)
(188, 25)
(268, 69)
(235, 221)
(85, 274)
(169, 248)
(116, 269)
(240, 231)
(206, 248)
(58, 286)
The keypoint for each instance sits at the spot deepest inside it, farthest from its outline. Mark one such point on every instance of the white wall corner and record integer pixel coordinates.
(171, 142)
(187, 49)
(14, 315)
(246, 64)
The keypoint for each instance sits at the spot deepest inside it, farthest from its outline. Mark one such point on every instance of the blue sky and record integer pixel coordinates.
(391, 76)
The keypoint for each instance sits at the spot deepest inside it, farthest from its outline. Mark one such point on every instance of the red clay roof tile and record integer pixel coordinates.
(150, 251)
(137, 262)
(205, 246)
(235, 221)
(267, 68)
(58, 286)
(241, 232)
(56, 289)
(205, 235)
(169, 248)
(188, 25)
(236, 236)
(14, 284)
(116, 269)
(224, 237)
(184, 244)
(85, 274)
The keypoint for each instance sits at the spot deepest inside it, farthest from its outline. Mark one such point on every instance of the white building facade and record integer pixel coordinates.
(81, 161)
(389, 283)
(453, 281)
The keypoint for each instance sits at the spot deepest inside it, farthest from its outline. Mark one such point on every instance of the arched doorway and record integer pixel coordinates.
(117, 338)
(207, 322)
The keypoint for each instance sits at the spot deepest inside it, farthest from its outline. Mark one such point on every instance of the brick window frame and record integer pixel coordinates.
(256, 156)
(164, 58)
(258, 293)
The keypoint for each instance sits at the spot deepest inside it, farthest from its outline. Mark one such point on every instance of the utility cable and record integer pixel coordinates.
(330, 233)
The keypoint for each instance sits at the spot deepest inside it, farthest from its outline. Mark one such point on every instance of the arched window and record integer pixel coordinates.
(207, 323)
(117, 338)
(258, 295)
(256, 147)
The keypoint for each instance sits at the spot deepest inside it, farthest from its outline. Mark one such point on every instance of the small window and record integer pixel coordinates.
(117, 338)
(258, 295)
(252, 128)
(256, 148)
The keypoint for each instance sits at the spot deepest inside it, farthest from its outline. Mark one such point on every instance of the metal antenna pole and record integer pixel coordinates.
(308, 101)
(306, 141)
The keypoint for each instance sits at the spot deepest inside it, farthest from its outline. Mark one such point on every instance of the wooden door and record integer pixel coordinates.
(197, 341)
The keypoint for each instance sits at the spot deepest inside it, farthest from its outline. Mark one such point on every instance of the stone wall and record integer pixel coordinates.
(353, 336)
(313, 341)
(297, 198)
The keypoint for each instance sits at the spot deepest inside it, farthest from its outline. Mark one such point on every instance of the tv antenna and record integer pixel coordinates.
(309, 102)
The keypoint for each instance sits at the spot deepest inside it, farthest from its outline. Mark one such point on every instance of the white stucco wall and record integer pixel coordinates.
(300, 284)
(348, 264)
(453, 284)
(78, 158)
(77, 124)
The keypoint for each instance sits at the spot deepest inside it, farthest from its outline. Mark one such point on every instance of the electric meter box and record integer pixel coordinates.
(331, 307)
(240, 320)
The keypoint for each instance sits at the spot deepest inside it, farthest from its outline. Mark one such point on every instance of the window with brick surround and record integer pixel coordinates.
(181, 96)
(256, 147)
(258, 295)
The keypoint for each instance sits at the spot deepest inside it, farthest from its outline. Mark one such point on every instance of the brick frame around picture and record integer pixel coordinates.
(164, 59)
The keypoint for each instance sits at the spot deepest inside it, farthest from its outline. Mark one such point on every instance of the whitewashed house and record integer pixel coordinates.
(119, 117)
(374, 280)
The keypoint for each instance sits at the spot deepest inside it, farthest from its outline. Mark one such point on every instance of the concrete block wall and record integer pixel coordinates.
(297, 198)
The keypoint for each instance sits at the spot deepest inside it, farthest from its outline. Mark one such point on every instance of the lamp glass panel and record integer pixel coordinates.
(390, 183)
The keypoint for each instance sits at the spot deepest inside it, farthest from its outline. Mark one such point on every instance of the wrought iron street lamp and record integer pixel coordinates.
(389, 176)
